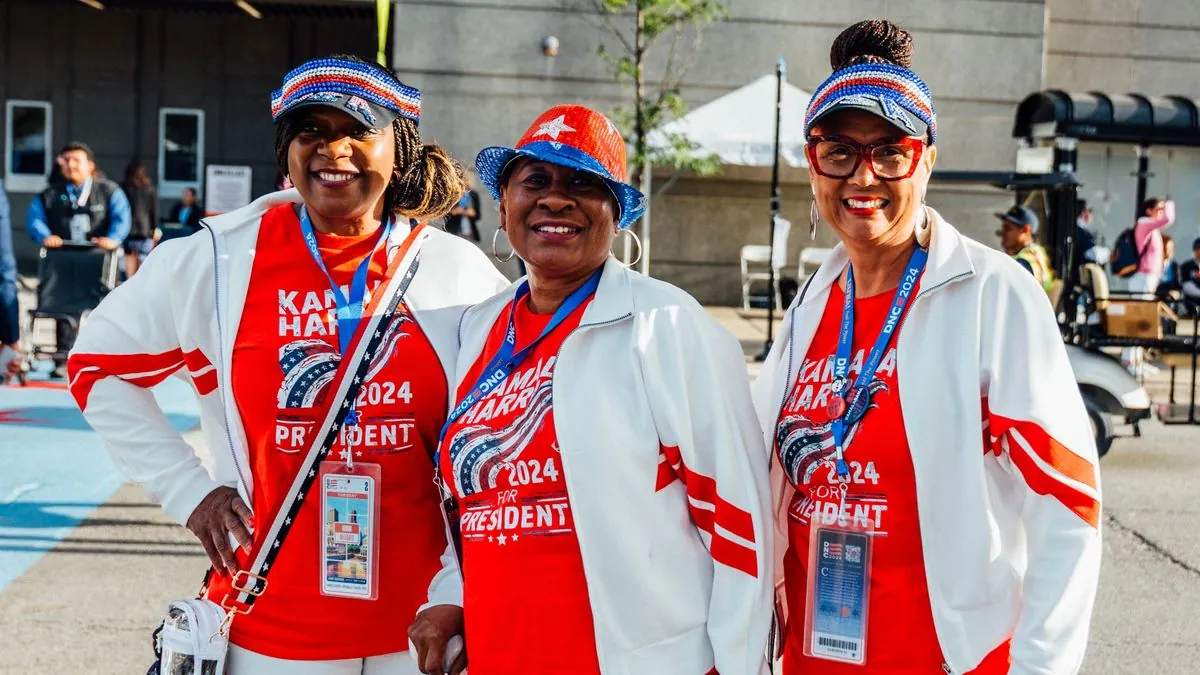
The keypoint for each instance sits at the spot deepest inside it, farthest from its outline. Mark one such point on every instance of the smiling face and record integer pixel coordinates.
(560, 220)
(340, 167)
(862, 209)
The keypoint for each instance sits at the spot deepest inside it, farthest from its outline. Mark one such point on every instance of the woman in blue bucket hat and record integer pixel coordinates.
(935, 482)
(318, 326)
(602, 468)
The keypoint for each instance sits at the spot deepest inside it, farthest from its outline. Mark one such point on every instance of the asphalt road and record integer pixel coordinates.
(88, 606)
(1149, 601)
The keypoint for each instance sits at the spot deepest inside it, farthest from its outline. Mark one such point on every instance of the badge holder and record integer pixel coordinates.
(349, 527)
(839, 583)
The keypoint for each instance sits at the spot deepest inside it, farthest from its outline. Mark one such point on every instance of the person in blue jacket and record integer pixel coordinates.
(80, 207)
(10, 353)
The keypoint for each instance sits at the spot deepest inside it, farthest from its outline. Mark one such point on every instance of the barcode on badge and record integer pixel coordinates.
(844, 645)
(837, 647)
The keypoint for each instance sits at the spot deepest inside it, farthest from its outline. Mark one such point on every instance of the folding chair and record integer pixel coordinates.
(756, 257)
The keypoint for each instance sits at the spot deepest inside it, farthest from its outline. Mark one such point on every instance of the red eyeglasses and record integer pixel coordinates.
(839, 156)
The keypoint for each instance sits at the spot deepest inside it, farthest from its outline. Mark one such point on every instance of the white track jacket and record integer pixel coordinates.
(179, 315)
(667, 477)
(1008, 484)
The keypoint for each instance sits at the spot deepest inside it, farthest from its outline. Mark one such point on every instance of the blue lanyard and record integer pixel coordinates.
(505, 361)
(851, 405)
(349, 312)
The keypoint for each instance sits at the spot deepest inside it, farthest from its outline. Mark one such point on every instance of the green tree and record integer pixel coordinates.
(641, 26)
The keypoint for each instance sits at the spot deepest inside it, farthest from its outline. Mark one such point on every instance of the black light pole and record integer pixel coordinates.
(780, 75)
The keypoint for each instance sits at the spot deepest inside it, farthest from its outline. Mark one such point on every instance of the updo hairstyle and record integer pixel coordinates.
(872, 41)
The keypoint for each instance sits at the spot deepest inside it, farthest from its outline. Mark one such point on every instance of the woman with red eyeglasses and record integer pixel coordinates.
(935, 483)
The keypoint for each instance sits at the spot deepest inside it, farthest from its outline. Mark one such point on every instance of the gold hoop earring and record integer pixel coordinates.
(636, 240)
(814, 217)
(495, 253)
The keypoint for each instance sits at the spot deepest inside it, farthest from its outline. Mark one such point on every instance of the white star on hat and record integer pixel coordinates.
(553, 128)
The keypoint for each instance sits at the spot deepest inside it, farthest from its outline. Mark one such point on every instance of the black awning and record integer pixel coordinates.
(1120, 118)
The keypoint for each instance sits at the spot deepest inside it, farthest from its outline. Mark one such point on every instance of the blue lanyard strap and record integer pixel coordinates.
(850, 406)
(506, 361)
(349, 312)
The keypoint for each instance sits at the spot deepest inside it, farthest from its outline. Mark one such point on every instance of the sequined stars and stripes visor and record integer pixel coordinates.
(575, 137)
(893, 93)
(363, 91)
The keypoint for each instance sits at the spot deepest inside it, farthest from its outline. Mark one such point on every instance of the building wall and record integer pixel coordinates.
(484, 78)
(1150, 47)
(107, 73)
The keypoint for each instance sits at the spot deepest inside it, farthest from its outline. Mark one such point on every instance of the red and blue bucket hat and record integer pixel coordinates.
(575, 137)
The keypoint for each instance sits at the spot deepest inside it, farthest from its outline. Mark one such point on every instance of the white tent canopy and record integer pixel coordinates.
(739, 127)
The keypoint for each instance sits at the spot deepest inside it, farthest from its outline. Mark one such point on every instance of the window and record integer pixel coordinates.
(180, 150)
(27, 130)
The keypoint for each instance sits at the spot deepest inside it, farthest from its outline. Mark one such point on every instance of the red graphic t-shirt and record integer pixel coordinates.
(525, 597)
(881, 494)
(284, 360)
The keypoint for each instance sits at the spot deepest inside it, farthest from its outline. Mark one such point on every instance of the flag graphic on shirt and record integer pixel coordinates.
(309, 365)
(478, 452)
(804, 446)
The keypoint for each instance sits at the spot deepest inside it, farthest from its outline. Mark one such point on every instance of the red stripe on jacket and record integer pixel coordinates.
(1025, 440)
(703, 489)
(143, 370)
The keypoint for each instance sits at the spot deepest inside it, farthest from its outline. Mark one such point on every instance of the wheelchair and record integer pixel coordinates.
(72, 280)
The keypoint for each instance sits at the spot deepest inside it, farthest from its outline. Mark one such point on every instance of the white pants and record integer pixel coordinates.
(1143, 283)
(245, 662)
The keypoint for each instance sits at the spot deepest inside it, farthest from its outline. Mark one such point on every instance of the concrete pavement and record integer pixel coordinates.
(90, 604)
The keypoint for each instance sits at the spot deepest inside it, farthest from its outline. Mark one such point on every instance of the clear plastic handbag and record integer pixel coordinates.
(192, 639)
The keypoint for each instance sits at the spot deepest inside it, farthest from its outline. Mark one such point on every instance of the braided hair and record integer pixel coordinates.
(425, 183)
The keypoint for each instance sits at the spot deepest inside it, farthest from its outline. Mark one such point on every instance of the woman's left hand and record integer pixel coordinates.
(430, 632)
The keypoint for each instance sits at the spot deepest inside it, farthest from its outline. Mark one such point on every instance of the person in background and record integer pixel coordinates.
(935, 479)
(143, 210)
(464, 217)
(81, 207)
(1084, 249)
(1169, 288)
(1018, 226)
(10, 321)
(1157, 215)
(1085, 237)
(187, 211)
(1189, 277)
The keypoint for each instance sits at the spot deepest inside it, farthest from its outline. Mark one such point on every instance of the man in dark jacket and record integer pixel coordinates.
(80, 208)
(1189, 279)
(187, 211)
(1084, 241)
